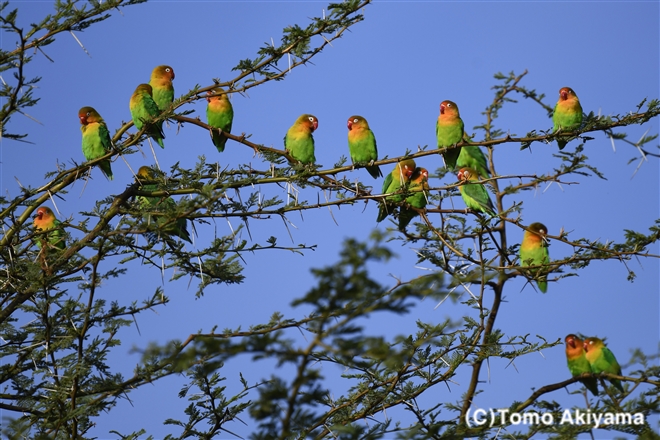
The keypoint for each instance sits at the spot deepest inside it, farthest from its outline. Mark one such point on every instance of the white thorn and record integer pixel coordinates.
(81, 45)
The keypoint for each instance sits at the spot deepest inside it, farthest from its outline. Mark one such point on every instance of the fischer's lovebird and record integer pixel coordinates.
(219, 114)
(95, 138)
(299, 142)
(474, 195)
(567, 115)
(144, 108)
(418, 182)
(362, 145)
(602, 359)
(449, 131)
(534, 252)
(163, 89)
(45, 220)
(163, 226)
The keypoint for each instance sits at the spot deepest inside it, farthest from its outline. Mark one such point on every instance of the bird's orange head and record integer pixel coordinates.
(310, 121)
(590, 344)
(465, 174)
(88, 115)
(163, 71)
(43, 214)
(448, 108)
(356, 120)
(565, 93)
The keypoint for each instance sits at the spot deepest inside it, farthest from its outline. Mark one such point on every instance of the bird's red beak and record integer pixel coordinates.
(564, 95)
(442, 109)
(173, 74)
(315, 124)
(208, 98)
(585, 345)
(83, 119)
(350, 124)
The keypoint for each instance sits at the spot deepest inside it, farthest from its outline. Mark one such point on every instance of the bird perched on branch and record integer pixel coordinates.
(394, 181)
(474, 194)
(144, 108)
(418, 183)
(534, 252)
(161, 84)
(602, 360)
(164, 227)
(578, 363)
(45, 221)
(362, 145)
(299, 142)
(95, 138)
(567, 115)
(219, 114)
(449, 132)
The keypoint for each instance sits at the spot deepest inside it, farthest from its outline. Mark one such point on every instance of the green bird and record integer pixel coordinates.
(45, 220)
(567, 115)
(534, 252)
(394, 181)
(602, 359)
(472, 157)
(362, 145)
(578, 363)
(219, 114)
(144, 108)
(474, 194)
(418, 182)
(95, 138)
(299, 142)
(163, 89)
(164, 226)
(449, 132)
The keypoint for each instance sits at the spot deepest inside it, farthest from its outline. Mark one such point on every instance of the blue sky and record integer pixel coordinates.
(394, 69)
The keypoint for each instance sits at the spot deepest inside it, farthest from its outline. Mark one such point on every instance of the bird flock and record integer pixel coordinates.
(591, 356)
(404, 187)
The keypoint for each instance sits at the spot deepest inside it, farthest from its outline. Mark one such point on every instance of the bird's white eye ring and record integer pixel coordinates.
(89, 113)
(355, 121)
(311, 118)
(167, 70)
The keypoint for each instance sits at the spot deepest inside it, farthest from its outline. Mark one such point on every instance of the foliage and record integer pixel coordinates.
(56, 373)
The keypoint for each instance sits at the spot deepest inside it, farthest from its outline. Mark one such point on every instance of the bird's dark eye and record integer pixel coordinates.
(167, 70)
(311, 118)
(448, 104)
(355, 121)
(89, 113)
